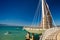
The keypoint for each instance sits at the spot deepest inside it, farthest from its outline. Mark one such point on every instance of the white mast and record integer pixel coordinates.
(43, 13)
(46, 17)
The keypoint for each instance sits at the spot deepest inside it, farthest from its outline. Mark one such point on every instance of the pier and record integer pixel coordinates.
(46, 28)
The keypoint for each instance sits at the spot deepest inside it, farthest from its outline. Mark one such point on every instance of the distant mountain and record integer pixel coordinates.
(3, 25)
(58, 26)
(9, 25)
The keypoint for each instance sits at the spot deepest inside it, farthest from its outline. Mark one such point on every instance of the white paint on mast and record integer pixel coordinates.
(43, 13)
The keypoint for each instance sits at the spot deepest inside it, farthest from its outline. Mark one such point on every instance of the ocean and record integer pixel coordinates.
(13, 33)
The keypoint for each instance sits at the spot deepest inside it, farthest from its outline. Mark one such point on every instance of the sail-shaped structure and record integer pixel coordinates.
(45, 27)
(46, 16)
(46, 21)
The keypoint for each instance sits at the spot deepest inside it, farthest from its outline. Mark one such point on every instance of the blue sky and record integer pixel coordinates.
(21, 12)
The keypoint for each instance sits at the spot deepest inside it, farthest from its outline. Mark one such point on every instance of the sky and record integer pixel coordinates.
(21, 12)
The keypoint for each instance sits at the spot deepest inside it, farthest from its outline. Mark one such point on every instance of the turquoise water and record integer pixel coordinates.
(15, 33)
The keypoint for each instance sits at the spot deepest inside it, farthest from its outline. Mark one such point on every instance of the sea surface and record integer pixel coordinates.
(13, 33)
